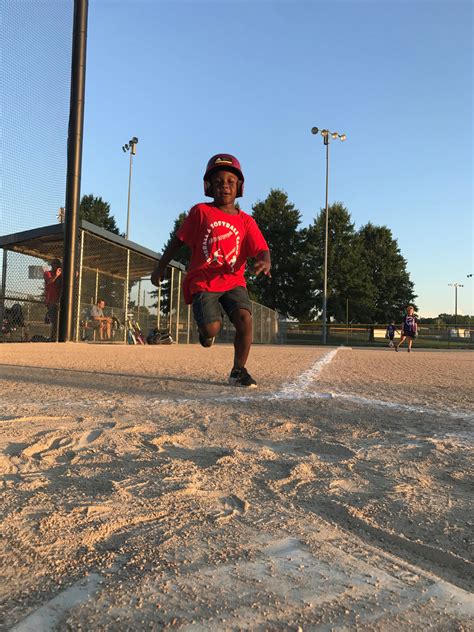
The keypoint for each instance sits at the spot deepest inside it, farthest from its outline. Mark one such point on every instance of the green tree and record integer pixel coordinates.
(392, 287)
(279, 221)
(450, 319)
(184, 253)
(348, 275)
(97, 211)
(182, 256)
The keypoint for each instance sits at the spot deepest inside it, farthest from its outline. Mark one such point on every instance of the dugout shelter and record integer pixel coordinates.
(108, 267)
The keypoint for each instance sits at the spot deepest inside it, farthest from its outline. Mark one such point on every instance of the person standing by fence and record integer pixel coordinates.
(52, 293)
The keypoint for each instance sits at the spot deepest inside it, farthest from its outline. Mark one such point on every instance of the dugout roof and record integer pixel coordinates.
(47, 242)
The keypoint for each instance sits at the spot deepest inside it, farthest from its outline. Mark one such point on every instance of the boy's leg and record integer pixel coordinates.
(238, 307)
(207, 314)
(410, 342)
(401, 340)
(242, 321)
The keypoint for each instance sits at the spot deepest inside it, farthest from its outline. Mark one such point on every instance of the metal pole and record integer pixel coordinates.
(325, 289)
(74, 164)
(129, 189)
(178, 301)
(126, 295)
(3, 291)
(188, 322)
(79, 288)
(96, 293)
(158, 311)
(455, 306)
(171, 288)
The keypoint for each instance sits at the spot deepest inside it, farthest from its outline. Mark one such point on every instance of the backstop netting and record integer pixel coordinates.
(35, 69)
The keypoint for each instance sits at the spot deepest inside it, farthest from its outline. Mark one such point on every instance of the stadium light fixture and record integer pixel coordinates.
(326, 134)
(131, 147)
(455, 286)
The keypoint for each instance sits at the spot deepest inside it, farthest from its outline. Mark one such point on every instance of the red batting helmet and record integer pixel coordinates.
(223, 162)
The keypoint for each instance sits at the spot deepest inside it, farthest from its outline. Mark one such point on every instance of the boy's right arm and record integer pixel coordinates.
(160, 269)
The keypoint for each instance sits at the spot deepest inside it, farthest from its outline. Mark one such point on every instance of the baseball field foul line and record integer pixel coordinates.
(47, 616)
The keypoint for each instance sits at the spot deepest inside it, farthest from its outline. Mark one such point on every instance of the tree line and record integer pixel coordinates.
(368, 280)
(367, 274)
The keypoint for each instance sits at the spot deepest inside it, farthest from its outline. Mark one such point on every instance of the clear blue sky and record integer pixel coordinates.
(190, 79)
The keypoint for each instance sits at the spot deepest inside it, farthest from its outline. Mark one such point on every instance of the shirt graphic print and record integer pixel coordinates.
(221, 245)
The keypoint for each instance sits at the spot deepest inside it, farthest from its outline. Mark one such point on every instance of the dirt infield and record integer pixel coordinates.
(140, 492)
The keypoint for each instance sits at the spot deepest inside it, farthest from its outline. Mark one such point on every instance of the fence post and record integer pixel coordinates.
(79, 288)
(188, 324)
(178, 306)
(170, 319)
(96, 294)
(4, 285)
(126, 296)
(74, 166)
(158, 313)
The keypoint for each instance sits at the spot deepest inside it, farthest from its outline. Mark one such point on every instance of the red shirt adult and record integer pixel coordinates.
(221, 244)
(52, 288)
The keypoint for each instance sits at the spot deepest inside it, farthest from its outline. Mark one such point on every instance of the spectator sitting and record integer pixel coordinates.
(99, 321)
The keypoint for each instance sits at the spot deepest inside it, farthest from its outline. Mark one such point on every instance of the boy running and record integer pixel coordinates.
(390, 333)
(409, 328)
(221, 238)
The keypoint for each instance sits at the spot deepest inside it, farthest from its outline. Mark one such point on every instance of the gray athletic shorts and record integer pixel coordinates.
(208, 306)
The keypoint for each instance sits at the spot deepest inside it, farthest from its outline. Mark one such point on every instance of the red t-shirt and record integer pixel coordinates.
(52, 290)
(221, 244)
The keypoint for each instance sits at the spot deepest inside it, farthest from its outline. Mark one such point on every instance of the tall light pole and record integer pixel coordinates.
(326, 134)
(455, 286)
(131, 147)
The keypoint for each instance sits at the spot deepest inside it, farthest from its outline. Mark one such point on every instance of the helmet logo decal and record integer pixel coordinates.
(219, 160)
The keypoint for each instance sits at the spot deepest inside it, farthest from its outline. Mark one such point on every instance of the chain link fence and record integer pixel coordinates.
(429, 336)
(35, 66)
(113, 276)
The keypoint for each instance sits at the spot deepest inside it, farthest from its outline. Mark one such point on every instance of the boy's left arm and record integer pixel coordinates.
(263, 263)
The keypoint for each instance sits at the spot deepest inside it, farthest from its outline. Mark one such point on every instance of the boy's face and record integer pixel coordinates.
(409, 311)
(224, 187)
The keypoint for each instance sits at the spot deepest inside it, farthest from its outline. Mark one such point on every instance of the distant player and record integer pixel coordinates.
(409, 328)
(221, 238)
(390, 333)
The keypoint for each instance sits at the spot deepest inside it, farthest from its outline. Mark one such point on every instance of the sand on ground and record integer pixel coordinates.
(141, 492)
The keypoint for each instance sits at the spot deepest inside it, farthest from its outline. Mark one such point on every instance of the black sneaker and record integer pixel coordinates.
(206, 342)
(241, 377)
